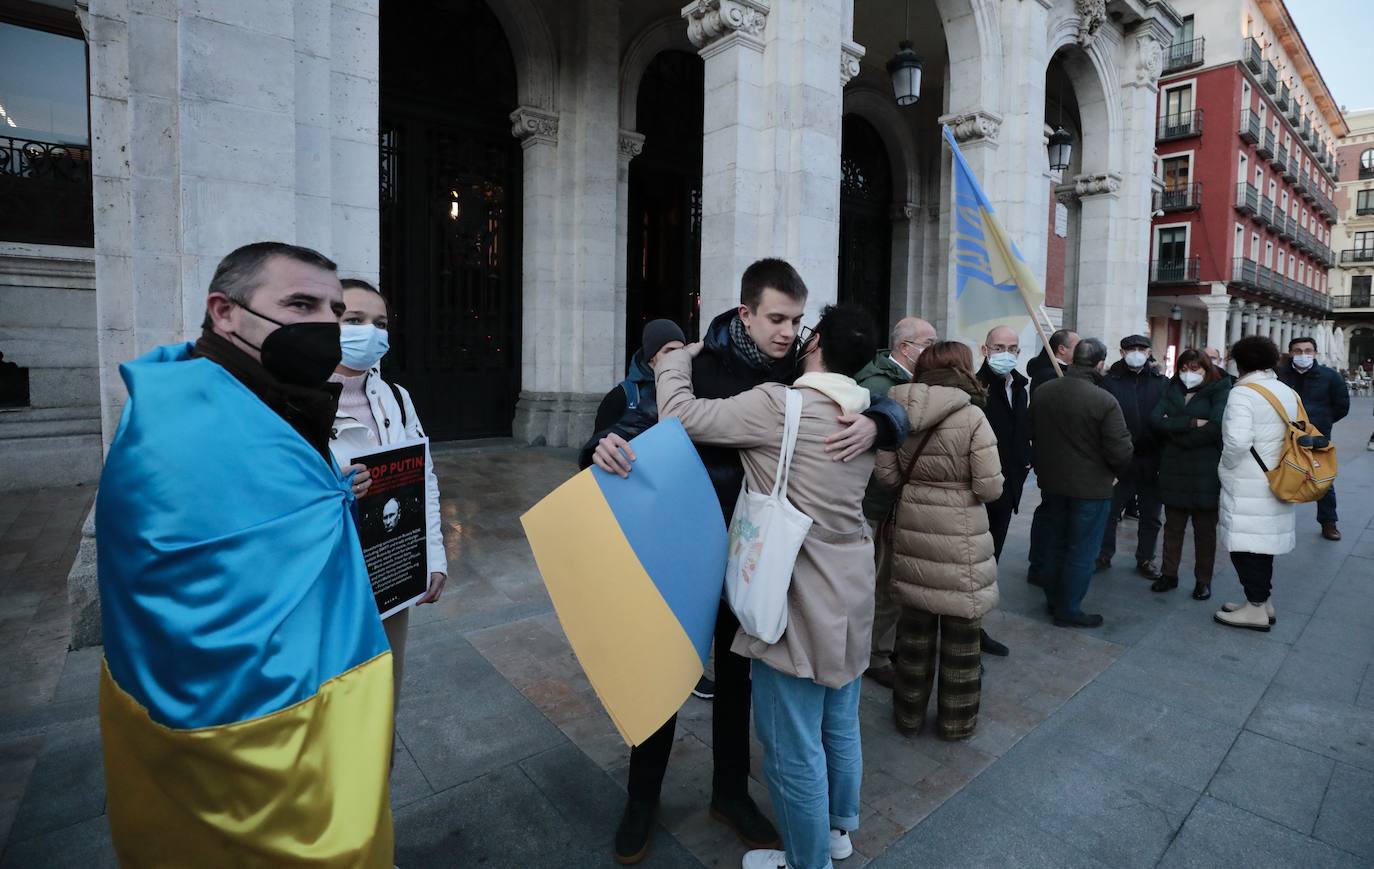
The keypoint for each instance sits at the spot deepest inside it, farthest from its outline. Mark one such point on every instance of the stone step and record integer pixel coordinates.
(49, 422)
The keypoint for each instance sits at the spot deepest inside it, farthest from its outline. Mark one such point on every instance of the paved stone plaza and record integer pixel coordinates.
(1161, 739)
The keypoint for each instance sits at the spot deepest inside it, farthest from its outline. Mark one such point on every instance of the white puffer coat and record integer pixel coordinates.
(1252, 519)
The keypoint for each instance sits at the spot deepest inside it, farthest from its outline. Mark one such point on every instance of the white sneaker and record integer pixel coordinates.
(840, 846)
(1268, 608)
(765, 858)
(1251, 616)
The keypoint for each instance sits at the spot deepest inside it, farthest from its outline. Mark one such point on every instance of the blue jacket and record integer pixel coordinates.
(1138, 392)
(720, 371)
(1323, 393)
(630, 408)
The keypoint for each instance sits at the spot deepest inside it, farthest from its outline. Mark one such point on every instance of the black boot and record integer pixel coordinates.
(990, 646)
(740, 814)
(632, 836)
(1164, 583)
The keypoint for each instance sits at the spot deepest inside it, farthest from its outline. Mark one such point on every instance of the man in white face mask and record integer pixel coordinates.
(1138, 387)
(1327, 400)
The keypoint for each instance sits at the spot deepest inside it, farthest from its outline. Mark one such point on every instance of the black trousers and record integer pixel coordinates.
(999, 522)
(729, 727)
(1256, 574)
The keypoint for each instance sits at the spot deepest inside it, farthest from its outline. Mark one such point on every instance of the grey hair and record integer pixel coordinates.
(1089, 352)
(900, 333)
(239, 274)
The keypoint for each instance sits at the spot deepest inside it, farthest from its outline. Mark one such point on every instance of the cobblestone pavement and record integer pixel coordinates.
(1160, 739)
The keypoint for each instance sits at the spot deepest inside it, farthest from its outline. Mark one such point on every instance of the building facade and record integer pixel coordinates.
(531, 180)
(1241, 241)
(1354, 243)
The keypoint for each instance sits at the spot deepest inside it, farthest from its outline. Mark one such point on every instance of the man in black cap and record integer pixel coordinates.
(1138, 387)
(632, 406)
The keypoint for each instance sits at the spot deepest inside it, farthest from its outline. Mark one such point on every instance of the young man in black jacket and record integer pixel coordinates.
(1327, 400)
(744, 347)
(1137, 387)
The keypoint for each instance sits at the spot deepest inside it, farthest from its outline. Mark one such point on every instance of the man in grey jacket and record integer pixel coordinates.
(1081, 446)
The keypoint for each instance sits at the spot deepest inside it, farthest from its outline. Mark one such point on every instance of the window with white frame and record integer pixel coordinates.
(1255, 246)
(1269, 254)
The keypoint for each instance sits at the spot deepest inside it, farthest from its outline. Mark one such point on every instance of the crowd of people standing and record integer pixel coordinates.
(910, 462)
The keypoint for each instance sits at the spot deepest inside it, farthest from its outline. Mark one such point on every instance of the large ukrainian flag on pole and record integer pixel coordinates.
(245, 698)
(635, 569)
(993, 286)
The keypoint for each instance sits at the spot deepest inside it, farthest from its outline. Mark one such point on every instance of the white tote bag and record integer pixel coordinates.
(765, 536)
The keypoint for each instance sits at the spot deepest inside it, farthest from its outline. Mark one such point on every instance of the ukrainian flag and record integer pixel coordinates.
(245, 698)
(993, 286)
(635, 568)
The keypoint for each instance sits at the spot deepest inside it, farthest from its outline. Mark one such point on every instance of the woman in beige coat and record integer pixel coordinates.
(944, 574)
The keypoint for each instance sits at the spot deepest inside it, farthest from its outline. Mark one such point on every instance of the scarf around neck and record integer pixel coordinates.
(850, 396)
(959, 380)
(746, 348)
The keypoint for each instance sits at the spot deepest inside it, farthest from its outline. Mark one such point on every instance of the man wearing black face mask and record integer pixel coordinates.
(272, 321)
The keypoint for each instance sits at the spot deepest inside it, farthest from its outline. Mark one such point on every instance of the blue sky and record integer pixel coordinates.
(1340, 36)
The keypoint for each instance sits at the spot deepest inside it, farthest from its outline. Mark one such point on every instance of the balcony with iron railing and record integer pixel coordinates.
(1266, 210)
(1271, 77)
(1280, 158)
(1253, 55)
(1183, 197)
(1354, 300)
(1364, 210)
(1182, 55)
(1353, 255)
(1282, 99)
(1290, 169)
(1366, 172)
(1179, 126)
(1325, 206)
(1249, 126)
(1265, 146)
(45, 189)
(1175, 271)
(1284, 226)
(1247, 199)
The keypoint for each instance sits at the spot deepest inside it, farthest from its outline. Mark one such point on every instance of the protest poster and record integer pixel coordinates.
(391, 523)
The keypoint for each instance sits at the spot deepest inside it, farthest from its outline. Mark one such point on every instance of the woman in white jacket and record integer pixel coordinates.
(1254, 524)
(375, 413)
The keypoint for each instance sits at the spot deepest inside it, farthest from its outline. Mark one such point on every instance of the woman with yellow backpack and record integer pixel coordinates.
(1271, 458)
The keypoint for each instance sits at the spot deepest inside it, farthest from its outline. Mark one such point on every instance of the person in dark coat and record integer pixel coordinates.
(1008, 412)
(1187, 424)
(1137, 387)
(755, 343)
(631, 406)
(1327, 400)
(1041, 370)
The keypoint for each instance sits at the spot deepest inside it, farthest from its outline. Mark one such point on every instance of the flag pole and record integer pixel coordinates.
(1049, 351)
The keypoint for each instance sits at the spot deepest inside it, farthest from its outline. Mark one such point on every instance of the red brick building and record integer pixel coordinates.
(1245, 179)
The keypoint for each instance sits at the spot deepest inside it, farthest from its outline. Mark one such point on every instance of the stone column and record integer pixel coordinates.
(1218, 309)
(771, 151)
(1261, 320)
(977, 133)
(1235, 324)
(906, 261)
(1107, 308)
(631, 145)
(1285, 332)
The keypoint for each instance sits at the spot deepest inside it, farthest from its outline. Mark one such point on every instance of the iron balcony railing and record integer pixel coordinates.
(1284, 225)
(1266, 210)
(1271, 77)
(1253, 54)
(1180, 125)
(1294, 114)
(1247, 198)
(1249, 126)
(1265, 146)
(1362, 210)
(1366, 172)
(1354, 300)
(1325, 206)
(1290, 169)
(1184, 197)
(46, 191)
(1357, 255)
(1182, 55)
(1282, 99)
(1175, 271)
(1280, 158)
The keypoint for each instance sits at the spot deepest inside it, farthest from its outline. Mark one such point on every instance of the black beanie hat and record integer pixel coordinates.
(660, 332)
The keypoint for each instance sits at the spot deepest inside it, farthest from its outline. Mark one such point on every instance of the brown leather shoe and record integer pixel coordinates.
(1330, 531)
(885, 675)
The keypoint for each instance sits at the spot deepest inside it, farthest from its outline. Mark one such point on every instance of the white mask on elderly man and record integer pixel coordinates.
(1136, 358)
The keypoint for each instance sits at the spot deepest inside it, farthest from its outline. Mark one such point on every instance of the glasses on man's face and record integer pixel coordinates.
(1013, 349)
(804, 335)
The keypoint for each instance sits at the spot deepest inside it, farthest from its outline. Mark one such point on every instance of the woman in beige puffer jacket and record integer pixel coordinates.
(944, 575)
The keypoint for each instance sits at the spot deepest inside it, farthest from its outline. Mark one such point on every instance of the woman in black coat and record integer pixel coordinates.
(1187, 422)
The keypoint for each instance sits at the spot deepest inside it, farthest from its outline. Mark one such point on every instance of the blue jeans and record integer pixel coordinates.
(812, 758)
(1073, 534)
(1326, 507)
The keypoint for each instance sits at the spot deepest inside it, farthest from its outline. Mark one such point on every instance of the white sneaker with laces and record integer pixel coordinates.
(840, 846)
(765, 858)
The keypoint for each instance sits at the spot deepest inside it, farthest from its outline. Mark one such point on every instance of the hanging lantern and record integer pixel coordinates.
(905, 70)
(1061, 149)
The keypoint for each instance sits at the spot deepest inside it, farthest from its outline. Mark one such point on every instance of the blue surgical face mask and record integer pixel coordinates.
(363, 346)
(1002, 363)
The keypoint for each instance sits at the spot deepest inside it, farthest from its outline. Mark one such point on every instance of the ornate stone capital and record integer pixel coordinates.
(1092, 14)
(534, 126)
(1100, 184)
(975, 126)
(905, 211)
(1065, 193)
(1149, 61)
(710, 21)
(631, 144)
(850, 54)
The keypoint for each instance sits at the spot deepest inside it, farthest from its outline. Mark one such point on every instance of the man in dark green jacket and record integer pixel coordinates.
(889, 368)
(1081, 446)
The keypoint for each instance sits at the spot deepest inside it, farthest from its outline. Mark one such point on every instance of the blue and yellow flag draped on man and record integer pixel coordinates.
(993, 285)
(245, 701)
(635, 569)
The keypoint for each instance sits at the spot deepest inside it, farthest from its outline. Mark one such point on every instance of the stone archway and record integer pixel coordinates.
(531, 43)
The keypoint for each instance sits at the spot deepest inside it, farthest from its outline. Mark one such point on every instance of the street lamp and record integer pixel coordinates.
(1176, 313)
(905, 70)
(1061, 149)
